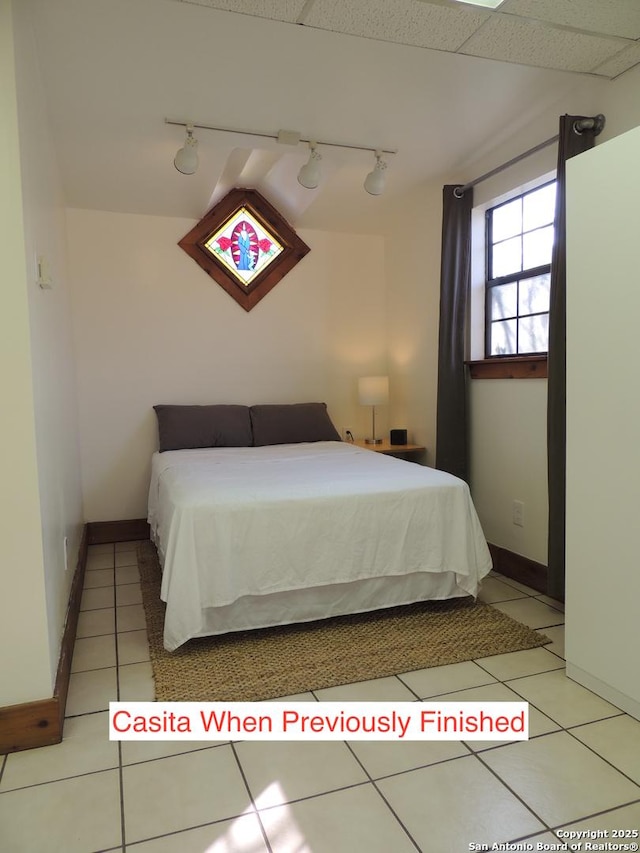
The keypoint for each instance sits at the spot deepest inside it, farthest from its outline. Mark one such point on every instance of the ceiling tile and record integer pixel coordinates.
(277, 10)
(527, 42)
(403, 21)
(620, 63)
(609, 17)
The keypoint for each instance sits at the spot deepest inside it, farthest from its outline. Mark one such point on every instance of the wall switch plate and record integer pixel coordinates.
(43, 273)
(518, 513)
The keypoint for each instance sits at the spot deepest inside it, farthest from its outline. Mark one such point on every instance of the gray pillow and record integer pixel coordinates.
(291, 424)
(188, 427)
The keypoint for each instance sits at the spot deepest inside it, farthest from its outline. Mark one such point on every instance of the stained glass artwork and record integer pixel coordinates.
(245, 245)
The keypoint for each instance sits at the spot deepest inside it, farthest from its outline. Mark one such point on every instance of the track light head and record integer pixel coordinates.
(374, 182)
(310, 174)
(186, 160)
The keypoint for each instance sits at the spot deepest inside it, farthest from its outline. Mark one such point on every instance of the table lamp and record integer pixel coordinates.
(373, 391)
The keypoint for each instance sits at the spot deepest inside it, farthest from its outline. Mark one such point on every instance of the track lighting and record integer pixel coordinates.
(374, 182)
(310, 174)
(186, 160)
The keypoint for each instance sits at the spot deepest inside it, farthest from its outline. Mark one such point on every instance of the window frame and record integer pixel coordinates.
(518, 276)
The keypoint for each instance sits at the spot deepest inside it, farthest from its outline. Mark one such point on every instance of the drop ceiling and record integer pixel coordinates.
(444, 83)
(588, 36)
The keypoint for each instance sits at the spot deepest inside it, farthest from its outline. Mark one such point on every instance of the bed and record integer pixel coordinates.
(265, 532)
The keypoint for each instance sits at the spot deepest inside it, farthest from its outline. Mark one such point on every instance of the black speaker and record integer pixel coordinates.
(398, 436)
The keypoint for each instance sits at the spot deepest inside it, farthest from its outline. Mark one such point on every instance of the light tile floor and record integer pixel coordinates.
(579, 771)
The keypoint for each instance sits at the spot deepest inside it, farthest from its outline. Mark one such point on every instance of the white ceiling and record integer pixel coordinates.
(438, 80)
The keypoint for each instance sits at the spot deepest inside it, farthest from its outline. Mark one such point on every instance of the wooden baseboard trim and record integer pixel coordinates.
(40, 723)
(519, 568)
(103, 532)
(63, 674)
(29, 725)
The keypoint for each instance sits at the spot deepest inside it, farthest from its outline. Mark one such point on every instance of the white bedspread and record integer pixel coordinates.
(235, 522)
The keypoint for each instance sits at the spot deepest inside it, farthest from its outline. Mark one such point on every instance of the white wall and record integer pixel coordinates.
(603, 420)
(412, 264)
(25, 672)
(508, 438)
(509, 461)
(40, 486)
(508, 429)
(508, 417)
(53, 364)
(152, 327)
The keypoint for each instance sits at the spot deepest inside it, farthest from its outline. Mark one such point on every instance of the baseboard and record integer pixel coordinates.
(29, 725)
(40, 723)
(103, 532)
(606, 691)
(519, 568)
(63, 674)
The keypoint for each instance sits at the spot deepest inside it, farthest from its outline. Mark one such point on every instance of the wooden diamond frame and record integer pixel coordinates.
(217, 256)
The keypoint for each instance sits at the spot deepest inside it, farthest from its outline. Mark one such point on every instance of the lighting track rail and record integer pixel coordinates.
(186, 160)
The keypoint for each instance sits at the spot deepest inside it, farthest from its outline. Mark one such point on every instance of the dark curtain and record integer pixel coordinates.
(570, 143)
(455, 278)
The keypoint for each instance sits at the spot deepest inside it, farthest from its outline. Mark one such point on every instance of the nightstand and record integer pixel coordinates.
(412, 452)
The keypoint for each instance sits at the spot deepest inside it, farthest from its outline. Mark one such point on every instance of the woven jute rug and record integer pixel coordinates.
(275, 662)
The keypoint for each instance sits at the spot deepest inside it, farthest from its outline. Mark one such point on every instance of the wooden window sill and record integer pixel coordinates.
(509, 367)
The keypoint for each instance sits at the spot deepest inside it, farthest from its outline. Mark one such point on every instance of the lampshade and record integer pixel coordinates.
(373, 390)
(374, 182)
(310, 174)
(186, 160)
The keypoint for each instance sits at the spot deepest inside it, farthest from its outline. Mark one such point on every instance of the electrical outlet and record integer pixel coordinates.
(518, 513)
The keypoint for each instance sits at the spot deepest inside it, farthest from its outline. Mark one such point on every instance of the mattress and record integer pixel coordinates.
(255, 536)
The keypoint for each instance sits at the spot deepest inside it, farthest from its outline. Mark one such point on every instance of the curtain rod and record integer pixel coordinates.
(579, 126)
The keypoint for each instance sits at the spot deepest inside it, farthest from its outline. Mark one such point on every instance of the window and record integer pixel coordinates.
(519, 243)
